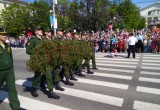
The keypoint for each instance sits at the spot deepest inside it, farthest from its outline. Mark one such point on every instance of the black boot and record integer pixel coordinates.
(34, 92)
(42, 85)
(90, 72)
(80, 73)
(22, 109)
(95, 68)
(58, 87)
(73, 78)
(68, 82)
(51, 94)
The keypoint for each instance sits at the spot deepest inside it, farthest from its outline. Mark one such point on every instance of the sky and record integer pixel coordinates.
(144, 3)
(139, 3)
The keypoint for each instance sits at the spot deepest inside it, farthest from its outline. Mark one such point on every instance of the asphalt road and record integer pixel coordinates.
(118, 84)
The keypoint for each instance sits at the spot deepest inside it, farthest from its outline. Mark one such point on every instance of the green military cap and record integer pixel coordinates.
(47, 30)
(59, 29)
(67, 31)
(75, 33)
(37, 28)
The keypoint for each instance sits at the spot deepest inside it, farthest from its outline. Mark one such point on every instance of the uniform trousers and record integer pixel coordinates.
(48, 77)
(9, 77)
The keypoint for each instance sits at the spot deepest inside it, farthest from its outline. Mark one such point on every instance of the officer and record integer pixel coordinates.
(37, 75)
(7, 72)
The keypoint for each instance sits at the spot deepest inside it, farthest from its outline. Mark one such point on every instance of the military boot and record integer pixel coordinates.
(73, 78)
(58, 87)
(80, 73)
(68, 82)
(34, 92)
(51, 94)
(90, 72)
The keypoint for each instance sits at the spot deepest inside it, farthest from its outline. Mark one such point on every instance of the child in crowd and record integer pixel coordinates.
(113, 52)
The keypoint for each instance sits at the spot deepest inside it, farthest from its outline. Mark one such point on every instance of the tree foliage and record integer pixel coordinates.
(82, 15)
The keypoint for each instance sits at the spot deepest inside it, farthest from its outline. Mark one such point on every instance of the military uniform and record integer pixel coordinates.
(7, 74)
(32, 44)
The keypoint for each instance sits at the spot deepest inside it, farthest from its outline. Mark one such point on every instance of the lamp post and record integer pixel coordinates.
(54, 16)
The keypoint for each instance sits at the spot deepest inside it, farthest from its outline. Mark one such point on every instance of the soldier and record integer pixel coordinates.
(55, 73)
(7, 72)
(78, 68)
(86, 63)
(64, 71)
(71, 69)
(37, 75)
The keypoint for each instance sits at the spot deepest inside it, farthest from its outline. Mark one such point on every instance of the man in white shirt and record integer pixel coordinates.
(131, 42)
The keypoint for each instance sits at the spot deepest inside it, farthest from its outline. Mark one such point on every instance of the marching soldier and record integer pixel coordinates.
(37, 75)
(7, 72)
(64, 71)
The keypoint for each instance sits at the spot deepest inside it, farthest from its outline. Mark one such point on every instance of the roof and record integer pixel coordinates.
(154, 4)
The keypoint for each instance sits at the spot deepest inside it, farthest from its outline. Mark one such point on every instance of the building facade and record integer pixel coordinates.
(152, 15)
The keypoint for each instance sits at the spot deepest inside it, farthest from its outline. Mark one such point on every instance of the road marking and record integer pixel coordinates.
(32, 104)
(151, 61)
(148, 90)
(151, 64)
(153, 80)
(151, 55)
(116, 101)
(103, 83)
(112, 75)
(103, 64)
(118, 62)
(150, 68)
(150, 73)
(153, 58)
(117, 70)
(139, 105)
(115, 59)
(20, 53)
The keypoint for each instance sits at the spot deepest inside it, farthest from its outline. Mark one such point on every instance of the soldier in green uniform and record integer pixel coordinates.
(86, 63)
(7, 72)
(55, 73)
(71, 69)
(37, 75)
(64, 71)
(93, 55)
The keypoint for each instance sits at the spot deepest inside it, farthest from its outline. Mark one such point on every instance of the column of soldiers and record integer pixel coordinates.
(61, 72)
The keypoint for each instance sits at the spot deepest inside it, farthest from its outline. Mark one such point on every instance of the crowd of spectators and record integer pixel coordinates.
(148, 41)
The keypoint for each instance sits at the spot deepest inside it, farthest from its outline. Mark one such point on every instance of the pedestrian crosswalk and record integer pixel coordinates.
(107, 89)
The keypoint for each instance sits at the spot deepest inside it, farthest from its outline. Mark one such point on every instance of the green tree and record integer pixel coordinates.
(130, 14)
(15, 18)
(39, 14)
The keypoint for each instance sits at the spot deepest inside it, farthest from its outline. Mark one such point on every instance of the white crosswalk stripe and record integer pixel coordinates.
(31, 104)
(150, 73)
(152, 80)
(148, 90)
(114, 59)
(140, 105)
(104, 64)
(112, 75)
(117, 62)
(116, 70)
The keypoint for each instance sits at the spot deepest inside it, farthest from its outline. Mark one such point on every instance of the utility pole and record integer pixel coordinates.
(54, 17)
